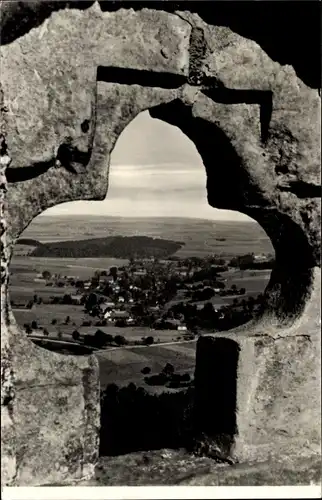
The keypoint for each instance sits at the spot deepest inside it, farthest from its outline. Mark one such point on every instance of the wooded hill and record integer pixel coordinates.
(122, 247)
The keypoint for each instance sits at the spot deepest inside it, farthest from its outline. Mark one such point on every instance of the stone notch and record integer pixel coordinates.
(210, 86)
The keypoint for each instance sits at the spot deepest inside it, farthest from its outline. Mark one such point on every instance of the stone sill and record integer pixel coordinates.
(174, 468)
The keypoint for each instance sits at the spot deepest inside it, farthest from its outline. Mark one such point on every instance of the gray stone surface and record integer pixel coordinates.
(261, 153)
(176, 468)
(278, 408)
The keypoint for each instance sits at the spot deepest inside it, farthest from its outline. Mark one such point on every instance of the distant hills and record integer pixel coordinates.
(122, 247)
(183, 236)
(30, 242)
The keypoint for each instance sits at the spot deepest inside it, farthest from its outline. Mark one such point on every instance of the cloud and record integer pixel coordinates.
(148, 140)
(155, 170)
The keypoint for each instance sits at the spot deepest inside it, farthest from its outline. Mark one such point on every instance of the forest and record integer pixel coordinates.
(123, 247)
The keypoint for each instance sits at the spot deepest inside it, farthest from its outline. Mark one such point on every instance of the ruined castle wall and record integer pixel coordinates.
(70, 85)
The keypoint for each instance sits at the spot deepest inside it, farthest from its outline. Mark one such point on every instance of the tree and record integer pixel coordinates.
(244, 304)
(242, 291)
(120, 340)
(146, 370)
(160, 379)
(60, 335)
(76, 335)
(28, 328)
(95, 279)
(138, 309)
(100, 338)
(46, 275)
(95, 311)
(113, 272)
(67, 298)
(168, 369)
(260, 298)
(185, 377)
(207, 293)
(251, 303)
(148, 340)
(246, 261)
(54, 321)
(90, 302)
(46, 332)
(67, 320)
(109, 338)
(34, 325)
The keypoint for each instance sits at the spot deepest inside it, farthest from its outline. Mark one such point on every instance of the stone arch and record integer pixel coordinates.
(230, 186)
(290, 286)
(280, 161)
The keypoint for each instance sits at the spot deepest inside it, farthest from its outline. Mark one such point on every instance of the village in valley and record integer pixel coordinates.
(170, 299)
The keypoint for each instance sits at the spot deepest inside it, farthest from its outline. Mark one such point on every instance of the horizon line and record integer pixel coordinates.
(82, 214)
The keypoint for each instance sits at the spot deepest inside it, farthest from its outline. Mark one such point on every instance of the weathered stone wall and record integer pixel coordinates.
(71, 83)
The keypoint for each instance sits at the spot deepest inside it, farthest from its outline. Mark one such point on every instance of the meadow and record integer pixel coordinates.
(123, 365)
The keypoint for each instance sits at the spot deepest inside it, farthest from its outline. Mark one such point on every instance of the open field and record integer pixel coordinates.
(201, 237)
(45, 313)
(124, 365)
(84, 268)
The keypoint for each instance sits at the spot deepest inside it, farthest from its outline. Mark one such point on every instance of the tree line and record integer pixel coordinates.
(113, 246)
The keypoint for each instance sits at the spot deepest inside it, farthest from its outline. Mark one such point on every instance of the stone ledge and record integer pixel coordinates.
(168, 467)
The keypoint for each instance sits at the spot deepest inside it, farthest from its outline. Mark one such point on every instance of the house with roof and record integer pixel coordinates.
(140, 272)
(76, 300)
(106, 306)
(40, 280)
(120, 314)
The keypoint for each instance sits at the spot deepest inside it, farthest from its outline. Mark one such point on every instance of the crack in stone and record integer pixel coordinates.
(197, 52)
(38, 386)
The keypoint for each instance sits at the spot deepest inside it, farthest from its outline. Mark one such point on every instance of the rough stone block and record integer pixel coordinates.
(265, 391)
(56, 412)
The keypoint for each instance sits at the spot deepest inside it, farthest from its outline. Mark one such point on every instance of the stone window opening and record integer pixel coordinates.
(213, 437)
(270, 171)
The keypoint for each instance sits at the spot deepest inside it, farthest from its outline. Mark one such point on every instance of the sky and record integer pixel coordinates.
(155, 171)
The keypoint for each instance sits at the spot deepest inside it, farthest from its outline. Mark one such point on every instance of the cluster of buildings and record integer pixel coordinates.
(144, 292)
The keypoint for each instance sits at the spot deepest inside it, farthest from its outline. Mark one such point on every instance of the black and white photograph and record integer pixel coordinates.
(160, 168)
